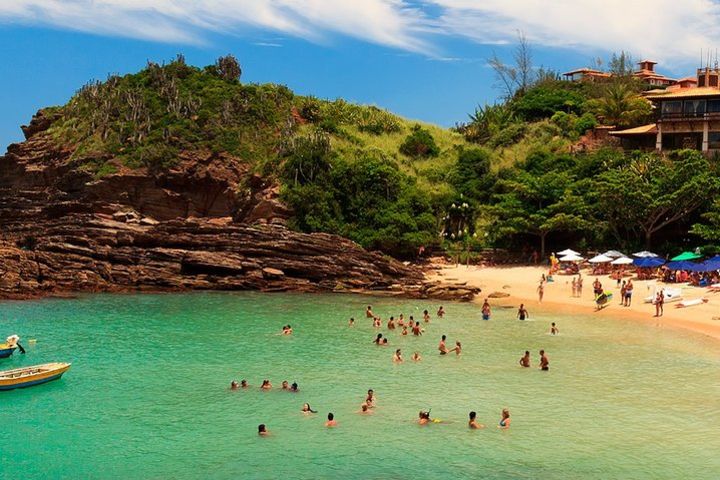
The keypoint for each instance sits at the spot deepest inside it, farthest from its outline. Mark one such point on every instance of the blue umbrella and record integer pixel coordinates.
(680, 265)
(708, 266)
(648, 262)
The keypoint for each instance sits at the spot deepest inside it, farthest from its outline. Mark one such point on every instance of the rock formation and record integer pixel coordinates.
(206, 223)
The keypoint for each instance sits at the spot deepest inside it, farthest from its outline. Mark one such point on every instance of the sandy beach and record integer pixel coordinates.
(520, 283)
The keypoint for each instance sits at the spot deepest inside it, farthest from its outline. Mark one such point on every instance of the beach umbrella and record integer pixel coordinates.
(648, 262)
(567, 252)
(706, 266)
(680, 265)
(716, 258)
(645, 254)
(622, 261)
(572, 257)
(602, 258)
(685, 256)
(614, 254)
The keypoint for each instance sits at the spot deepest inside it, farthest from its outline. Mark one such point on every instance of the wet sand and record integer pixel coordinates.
(520, 283)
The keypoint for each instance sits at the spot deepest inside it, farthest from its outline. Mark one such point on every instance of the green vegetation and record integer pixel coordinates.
(510, 177)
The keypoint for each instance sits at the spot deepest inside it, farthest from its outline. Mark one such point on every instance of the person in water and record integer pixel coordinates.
(370, 399)
(401, 320)
(416, 357)
(331, 422)
(404, 330)
(262, 430)
(544, 362)
(522, 312)
(486, 310)
(391, 323)
(525, 360)
(505, 420)
(441, 312)
(365, 410)
(306, 409)
(377, 323)
(397, 358)
(244, 384)
(472, 422)
(351, 323)
(369, 313)
(294, 387)
(553, 329)
(426, 316)
(457, 349)
(441, 346)
(287, 330)
(234, 385)
(424, 418)
(266, 385)
(378, 339)
(416, 329)
(384, 342)
(285, 385)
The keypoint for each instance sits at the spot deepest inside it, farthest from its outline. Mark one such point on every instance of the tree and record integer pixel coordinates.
(619, 105)
(228, 68)
(651, 192)
(539, 204)
(515, 79)
(621, 65)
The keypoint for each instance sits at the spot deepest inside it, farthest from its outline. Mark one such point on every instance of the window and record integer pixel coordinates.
(670, 108)
(713, 106)
(714, 140)
(694, 108)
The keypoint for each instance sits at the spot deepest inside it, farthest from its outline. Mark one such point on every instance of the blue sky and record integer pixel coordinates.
(422, 59)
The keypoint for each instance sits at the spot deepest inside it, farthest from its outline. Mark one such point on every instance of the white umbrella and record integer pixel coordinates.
(622, 261)
(613, 254)
(573, 257)
(644, 254)
(602, 258)
(567, 251)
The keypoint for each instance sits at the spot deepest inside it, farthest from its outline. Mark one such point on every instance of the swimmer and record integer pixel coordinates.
(457, 349)
(370, 399)
(522, 312)
(331, 421)
(391, 323)
(404, 330)
(365, 410)
(351, 323)
(553, 329)
(441, 312)
(441, 346)
(285, 385)
(266, 385)
(544, 362)
(287, 330)
(401, 320)
(377, 323)
(416, 329)
(472, 422)
(416, 357)
(424, 418)
(294, 387)
(505, 421)
(262, 431)
(397, 358)
(486, 310)
(426, 316)
(525, 360)
(369, 313)
(385, 342)
(234, 385)
(306, 409)
(244, 384)
(378, 339)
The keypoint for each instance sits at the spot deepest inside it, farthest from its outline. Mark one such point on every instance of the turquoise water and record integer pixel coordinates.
(148, 396)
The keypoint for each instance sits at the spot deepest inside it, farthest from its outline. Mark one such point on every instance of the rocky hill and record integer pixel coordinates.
(120, 191)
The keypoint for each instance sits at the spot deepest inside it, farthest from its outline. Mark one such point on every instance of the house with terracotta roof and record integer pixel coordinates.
(585, 75)
(646, 73)
(686, 117)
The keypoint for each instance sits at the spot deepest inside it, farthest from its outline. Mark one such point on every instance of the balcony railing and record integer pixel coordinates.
(690, 116)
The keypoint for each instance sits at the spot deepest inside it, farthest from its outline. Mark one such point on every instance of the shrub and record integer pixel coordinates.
(420, 143)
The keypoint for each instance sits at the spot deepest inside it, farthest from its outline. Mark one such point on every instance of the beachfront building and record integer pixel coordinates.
(685, 117)
(646, 73)
(585, 75)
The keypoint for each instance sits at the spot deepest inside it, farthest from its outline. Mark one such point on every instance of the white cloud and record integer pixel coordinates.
(666, 30)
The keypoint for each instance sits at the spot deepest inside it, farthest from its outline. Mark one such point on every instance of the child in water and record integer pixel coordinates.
(553, 329)
(416, 357)
(331, 422)
(397, 357)
(505, 420)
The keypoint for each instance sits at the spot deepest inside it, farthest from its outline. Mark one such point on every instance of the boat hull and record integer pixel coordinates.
(30, 380)
(6, 352)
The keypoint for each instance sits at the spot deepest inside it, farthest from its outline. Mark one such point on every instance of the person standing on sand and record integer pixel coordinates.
(659, 301)
(597, 287)
(522, 312)
(486, 310)
(540, 292)
(579, 285)
(628, 293)
(544, 362)
(574, 287)
(525, 360)
(622, 292)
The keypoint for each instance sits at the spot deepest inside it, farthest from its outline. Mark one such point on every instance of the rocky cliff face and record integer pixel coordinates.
(207, 223)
